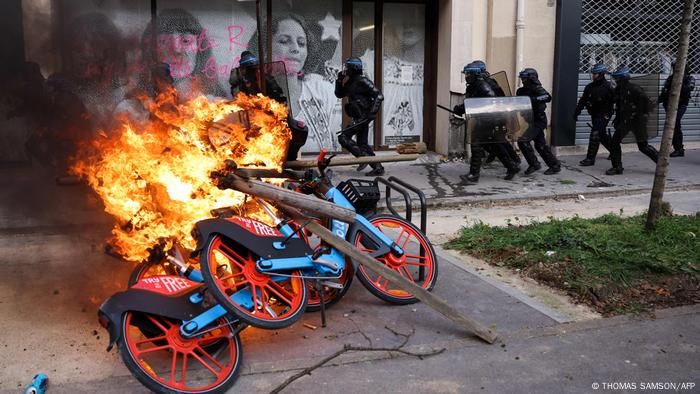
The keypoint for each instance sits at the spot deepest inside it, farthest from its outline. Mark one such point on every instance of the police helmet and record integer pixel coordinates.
(529, 75)
(622, 72)
(599, 69)
(353, 65)
(248, 59)
(473, 70)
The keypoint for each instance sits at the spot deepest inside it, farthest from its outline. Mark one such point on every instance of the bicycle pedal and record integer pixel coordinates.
(333, 285)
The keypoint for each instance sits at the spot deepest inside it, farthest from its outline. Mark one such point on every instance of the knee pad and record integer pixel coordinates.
(345, 141)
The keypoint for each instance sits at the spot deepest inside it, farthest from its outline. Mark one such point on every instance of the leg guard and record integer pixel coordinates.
(476, 159)
(648, 150)
(593, 146)
(528, 153)
(349, 144)
(546, 153)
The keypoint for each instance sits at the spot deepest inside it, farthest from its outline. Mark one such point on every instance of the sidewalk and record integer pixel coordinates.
(32, 204)
(442, 186)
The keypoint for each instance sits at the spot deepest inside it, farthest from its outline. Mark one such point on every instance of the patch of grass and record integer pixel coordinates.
(567, 181)
(610, 262)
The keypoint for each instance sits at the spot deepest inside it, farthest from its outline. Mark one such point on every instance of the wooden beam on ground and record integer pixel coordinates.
(349, 161)
(394, 277)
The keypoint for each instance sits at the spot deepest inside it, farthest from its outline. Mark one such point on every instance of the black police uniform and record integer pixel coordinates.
(631, 108)
(686, 90)
(481, 87)
(364, 101)
(598, 98)
(539, 97)
(245, 80)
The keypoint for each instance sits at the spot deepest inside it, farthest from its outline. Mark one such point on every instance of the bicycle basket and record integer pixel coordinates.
(363, 194)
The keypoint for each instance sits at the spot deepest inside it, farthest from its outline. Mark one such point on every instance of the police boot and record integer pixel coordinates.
(678, 153)
(593, 145)
(549, 159)
(470, 178)
(377, 170)
(512, 170)
(511, 173)
(530, 157)
(617, 164)
(474, 170)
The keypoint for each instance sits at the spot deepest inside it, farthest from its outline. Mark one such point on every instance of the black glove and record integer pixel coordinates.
(458, 109)
(341, 75)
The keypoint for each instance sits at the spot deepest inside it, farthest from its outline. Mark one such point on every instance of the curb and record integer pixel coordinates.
(518, 295)
(454, 202)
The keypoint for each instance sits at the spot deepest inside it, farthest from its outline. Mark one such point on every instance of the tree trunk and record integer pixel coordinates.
(657, 191)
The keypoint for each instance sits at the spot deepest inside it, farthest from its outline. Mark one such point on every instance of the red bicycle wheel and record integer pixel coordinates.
(167, 362)
(263, 300)
(414, 265)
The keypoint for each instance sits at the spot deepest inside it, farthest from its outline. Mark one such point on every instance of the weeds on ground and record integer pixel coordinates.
(610, 262)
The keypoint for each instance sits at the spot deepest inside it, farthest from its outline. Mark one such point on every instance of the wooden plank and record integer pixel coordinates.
(394, 277)
(281, 195)
(349, 161)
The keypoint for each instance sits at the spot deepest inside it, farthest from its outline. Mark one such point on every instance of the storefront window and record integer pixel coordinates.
(306, 36)
(403, 72)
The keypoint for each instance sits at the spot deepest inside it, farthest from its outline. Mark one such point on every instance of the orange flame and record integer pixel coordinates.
(155, 179)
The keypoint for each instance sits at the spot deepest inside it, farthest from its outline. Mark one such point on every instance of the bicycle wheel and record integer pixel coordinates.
(259, 299)
(146, 269)
(331, 295)
(170, 363)
(419, 269)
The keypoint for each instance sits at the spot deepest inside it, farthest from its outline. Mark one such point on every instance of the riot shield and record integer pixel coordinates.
(650, 85)
(498, 119)
(502, 79)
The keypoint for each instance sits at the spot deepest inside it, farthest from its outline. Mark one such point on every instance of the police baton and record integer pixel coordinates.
(447, 109)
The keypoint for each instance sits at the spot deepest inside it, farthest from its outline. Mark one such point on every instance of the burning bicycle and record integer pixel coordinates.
(168, 326)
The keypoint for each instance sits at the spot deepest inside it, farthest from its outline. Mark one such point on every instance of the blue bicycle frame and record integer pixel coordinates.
(330, 265)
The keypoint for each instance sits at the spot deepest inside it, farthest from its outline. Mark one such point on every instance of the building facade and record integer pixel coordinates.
(413, 49)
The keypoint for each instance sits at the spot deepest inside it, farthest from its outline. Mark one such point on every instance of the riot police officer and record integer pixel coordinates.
(244, 79)
(539, 97)
(686, 90)
(364, 101)
(631, 108)
(598, 97)
(499, 93)
(478, 85)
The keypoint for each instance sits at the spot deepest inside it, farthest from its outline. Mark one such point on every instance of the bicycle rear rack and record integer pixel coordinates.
(401, 187)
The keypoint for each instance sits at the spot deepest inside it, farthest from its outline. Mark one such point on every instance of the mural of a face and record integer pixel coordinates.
(289, 43)
(179, 50)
